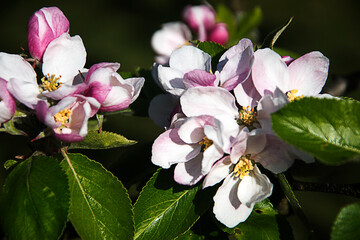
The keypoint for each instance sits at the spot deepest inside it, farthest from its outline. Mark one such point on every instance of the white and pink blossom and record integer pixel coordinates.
(110, 89)
(68, 118)
(170, 37)
(194, 144)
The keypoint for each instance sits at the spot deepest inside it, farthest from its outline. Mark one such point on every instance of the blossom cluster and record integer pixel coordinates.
(200, 20)
(218, 124)
(66, 94)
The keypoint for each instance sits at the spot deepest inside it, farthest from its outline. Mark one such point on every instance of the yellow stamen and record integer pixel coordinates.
(247, 117)
(205, 142)
(243, 167)
(50, 83)
(291, 95)
(63, 116)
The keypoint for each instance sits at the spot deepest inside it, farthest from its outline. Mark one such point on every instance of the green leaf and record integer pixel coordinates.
(271, 38)
(10, 163)
(102, 140)
(100, 206)
(35, 199)
(329, 129)
(165, 209)
(263, 223)
(214, 49)
(347, 225)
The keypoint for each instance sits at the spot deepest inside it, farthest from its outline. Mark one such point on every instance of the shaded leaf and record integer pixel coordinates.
(165, 209)
(35, 199)
(190, 235)
(102, 140)
(347, 225)
(100, 206)
(263, 223)
(271, 38)
(329, 129)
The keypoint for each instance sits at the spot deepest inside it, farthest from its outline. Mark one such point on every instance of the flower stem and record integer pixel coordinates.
(100, 119)
(294, 202)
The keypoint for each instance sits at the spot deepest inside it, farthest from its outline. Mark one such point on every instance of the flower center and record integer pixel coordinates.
(50, 82)
(247, 116)
(291, 95)
(244, 166)
(63, 116)
(205, 143)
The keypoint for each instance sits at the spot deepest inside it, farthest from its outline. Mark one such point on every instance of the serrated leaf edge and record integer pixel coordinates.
(153, 176)
(108, 172)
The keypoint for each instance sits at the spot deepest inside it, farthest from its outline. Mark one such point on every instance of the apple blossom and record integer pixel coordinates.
(170, 37)
(110, 89)
(7, 103)
(44, 26)
(304, 76)
(68, 118)
(194, 144)
(63, 60)
(200, 19)
(243, 184)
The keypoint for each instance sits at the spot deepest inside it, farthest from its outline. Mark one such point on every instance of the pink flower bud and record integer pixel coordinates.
(44, 26)
(219, 34)
(198, 17)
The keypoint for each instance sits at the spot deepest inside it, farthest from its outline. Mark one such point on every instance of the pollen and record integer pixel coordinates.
(247, 116)
(63, 116)
(244, 166)
(205, 143)
(291, 95)
(50, 82)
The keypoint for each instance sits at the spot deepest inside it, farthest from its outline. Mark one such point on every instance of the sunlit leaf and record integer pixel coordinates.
(327, 128)
(100, 206)
(165, 209)
(102, 140)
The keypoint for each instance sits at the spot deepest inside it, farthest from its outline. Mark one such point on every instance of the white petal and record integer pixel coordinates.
(192, 130)
(189, 173)
(65, 57)
(171, 80)
(308, 73)
(227, 207)
(254, 188)
(25, 92)
(269, 71)
(210, 156)
(188, 58)
(218, 172)
(14, 66)
(208, 101)
(168, 149)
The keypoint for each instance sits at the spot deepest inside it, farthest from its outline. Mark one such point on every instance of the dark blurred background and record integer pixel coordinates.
(120, 31)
